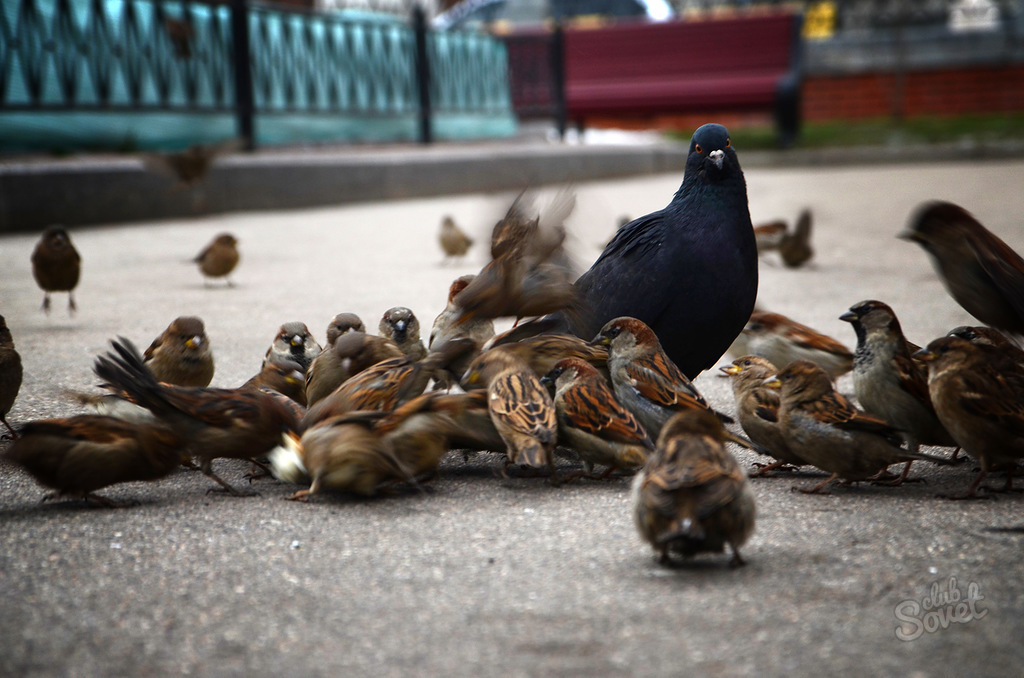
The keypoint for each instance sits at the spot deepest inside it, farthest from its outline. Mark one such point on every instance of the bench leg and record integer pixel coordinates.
(787, 112)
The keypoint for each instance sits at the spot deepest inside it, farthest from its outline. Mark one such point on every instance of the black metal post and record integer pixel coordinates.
(419, 26)
(244, 104)
(558, 78)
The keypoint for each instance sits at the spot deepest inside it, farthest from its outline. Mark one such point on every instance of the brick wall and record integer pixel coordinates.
(997, 89)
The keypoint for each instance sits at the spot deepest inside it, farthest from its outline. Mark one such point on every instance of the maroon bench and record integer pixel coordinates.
(749, 63)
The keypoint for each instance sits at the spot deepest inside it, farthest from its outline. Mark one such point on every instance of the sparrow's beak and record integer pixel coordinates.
(772, 382)
(346, 364)
(849, 317)
(296, 340)
(193, 342)
(400, 326)
(600, 340)
(295, 377)
(913, 236)
(925, 355)
(730, 369)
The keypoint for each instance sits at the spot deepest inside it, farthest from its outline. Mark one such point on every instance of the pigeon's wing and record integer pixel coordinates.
(620, 282)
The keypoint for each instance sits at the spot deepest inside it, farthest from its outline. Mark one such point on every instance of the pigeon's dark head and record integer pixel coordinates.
(711, 152)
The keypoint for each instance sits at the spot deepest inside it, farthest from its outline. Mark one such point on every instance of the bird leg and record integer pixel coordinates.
(762, 469)
(819, 488)
(301, 495)
(258, 472)
(46, 303)
(956, 455)
(13, 435)
(885, 478)
(72, 307)
(207, 469)
(736, 561)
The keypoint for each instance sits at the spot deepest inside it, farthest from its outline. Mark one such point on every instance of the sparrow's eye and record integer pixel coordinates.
(698, 148)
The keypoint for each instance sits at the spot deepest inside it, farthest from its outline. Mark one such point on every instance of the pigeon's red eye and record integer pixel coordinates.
(728, 143)
(698, 148)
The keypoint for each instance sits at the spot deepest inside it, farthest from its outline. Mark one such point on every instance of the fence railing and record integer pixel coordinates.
(259, 61)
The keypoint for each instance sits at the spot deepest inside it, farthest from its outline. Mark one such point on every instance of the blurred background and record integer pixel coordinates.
(131, 75)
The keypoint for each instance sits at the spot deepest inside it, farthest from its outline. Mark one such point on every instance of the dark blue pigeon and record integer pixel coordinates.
(689, 270)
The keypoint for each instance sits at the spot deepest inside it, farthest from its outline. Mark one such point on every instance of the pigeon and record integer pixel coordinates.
(689, 271)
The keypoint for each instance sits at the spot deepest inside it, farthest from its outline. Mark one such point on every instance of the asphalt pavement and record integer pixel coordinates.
(477, 575)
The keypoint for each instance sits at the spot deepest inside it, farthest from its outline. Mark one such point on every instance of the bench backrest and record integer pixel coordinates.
(697, 47)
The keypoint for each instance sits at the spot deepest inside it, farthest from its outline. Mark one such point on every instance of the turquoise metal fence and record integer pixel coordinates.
(161, 74)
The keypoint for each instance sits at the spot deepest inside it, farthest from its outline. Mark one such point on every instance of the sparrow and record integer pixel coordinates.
(757, 408)
(385, 385)
(782, 340)
(342, 323)
(56, 266)
(445, 328)
(543, 351)
(214, 422)
(361, 451)
(692, 497)
(592, 422)
(529, 273)
(219, 258)
(294, 343)
(181, 355)
(826, 430)
(454, 242)
(284, 377)
(688, 271)
(79, 455)
(190, 166)
(347, 356)
(795, 248)
(989, 337)
(978, 393)
(520, 407)
(10, 374)
(888, 382)
(400, 325)
(644, 378)
(979, 270)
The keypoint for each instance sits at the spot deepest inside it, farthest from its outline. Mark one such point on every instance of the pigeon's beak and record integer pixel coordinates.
(717, 157)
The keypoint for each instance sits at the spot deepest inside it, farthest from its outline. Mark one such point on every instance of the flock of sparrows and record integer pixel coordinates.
(369, 413)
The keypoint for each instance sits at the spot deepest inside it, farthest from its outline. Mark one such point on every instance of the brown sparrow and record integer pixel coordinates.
(782, 340)
(214, 422)
(181, 355)
(342, 323)
(692, 497)
(520, 407)
(294, 342)
(794, 246)
(56, 266)
(192, 165)
(888, 382)
(401, 326)
(978, 393)
(543, 351)
(446, 327)
(989, 337)
(826, 430)
(283, 377)
(347, 356)
(757, 408)
(85, 453)
(645, 380)
(219, 258)
(10, 374)
(454, 242)
(592, 422)
(979, 270)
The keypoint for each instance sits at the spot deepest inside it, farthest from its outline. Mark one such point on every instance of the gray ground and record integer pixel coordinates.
(479, 575)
